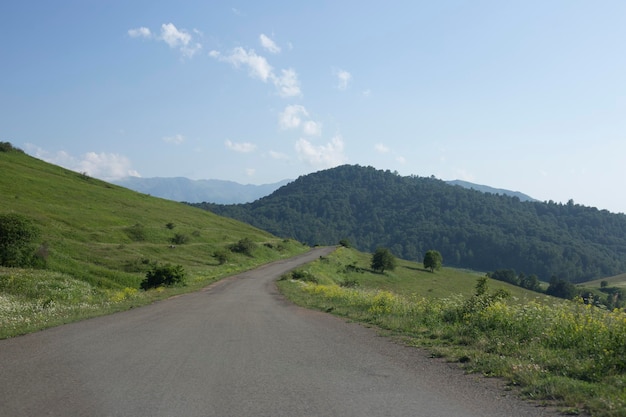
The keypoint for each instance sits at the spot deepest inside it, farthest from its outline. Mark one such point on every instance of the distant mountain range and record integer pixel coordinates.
(198, 191)
(491, 190)
(230, 192)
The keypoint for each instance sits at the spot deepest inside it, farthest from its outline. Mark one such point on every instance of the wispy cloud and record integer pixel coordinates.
(176, 139)
(381, 148)
(292, 118)
(269, 44)
(175, 38)
(312, 128)
(106, 166)
(244, 147)
(258, 67)
(343, 78)
(278, 155)
(286, 83)
(141, 32)
(323, 156)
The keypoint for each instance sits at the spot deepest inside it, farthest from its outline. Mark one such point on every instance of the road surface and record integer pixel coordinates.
(236, 348)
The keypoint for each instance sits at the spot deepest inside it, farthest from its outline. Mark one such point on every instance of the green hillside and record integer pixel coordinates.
(471, 229)
(99, 240)
(565, 354)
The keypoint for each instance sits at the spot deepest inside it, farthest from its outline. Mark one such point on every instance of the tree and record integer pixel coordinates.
(17, 237)
(383, 259)
(562, 289)
(433, 260)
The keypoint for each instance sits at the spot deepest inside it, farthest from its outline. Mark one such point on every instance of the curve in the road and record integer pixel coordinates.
(236, 348)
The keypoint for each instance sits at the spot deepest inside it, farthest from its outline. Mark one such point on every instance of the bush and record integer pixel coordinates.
(245, 246)
(7, 147)
(179, 239)
(221, 255)
(17, 238)
(305, 276)
(164, 276)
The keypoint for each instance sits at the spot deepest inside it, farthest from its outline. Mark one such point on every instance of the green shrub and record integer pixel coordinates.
(17, 238)
(221, 255)
(305, 276)
(179, 239)
(245, 246)
(8, 147)
(167, 275)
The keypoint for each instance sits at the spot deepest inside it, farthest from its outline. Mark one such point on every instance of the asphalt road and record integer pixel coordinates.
(236, 348)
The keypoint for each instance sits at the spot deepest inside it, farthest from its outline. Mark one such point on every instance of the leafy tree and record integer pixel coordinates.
(562, 289)
(530, 282)
(383, 259)
(17, 238)
(8, 147)
(167, 275)
(345, 243)
(506, 275)
(433, 260)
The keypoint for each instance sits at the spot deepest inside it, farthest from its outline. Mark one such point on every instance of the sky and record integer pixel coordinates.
(528, 96)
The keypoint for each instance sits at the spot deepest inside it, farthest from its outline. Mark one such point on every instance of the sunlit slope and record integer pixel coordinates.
(102, 233)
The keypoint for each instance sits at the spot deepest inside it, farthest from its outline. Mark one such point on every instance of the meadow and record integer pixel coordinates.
(98, 240)
(555, 352)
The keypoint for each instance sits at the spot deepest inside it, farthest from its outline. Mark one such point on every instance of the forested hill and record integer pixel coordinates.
(471, 229)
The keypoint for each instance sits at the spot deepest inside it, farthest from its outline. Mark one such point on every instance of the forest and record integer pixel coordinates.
(471, 229)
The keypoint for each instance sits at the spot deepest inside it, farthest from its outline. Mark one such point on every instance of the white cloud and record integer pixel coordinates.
(381, 148)
(312, 128)
(344, 78)
(176, 139)
(106, 166)
(176, 38)
(258, 67)
(290, 118)
(324, 156)
(278, 155)
(401, 160)
(269, 44)
(141, 32)
(244, 147)
(250, 172)
(287, 83)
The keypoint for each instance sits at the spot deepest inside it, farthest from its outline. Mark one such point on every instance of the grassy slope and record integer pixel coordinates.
(84, 223)
(557, 352)
(410, 278)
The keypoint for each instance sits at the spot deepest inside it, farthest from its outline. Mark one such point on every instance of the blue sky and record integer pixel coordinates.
(523, 95)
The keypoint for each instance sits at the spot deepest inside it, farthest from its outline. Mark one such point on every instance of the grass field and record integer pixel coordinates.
(100, 239)
(555, 351)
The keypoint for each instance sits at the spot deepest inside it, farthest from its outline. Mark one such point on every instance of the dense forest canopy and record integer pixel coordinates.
(471, 229)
